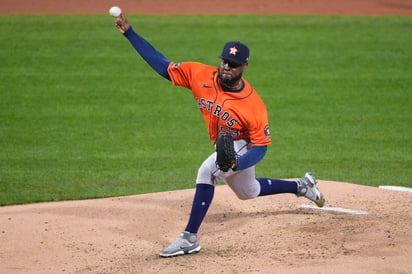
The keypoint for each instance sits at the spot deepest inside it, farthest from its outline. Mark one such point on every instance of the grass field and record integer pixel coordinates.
(82, 116)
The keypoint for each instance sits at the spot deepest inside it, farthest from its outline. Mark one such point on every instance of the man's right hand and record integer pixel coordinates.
(122, 24)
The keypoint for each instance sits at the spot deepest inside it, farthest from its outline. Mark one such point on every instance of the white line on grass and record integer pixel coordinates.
(336, 209)
(397, 188)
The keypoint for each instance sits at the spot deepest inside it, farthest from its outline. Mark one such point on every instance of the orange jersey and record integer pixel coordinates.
(240, 113)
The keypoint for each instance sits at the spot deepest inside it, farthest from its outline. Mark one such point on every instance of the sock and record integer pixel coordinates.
(275, 186)
(201, 202)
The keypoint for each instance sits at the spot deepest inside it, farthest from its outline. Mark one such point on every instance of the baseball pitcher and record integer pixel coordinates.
(237, 123)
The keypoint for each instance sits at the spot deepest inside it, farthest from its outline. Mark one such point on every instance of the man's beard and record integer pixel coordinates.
(230, 82)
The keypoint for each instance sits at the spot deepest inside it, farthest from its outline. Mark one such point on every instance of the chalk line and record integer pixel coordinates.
(397, 188)
(336, 209)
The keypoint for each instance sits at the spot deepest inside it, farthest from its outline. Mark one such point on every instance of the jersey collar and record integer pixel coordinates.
(226, 89)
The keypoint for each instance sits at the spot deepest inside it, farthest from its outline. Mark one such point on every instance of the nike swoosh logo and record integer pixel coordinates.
(206, 86)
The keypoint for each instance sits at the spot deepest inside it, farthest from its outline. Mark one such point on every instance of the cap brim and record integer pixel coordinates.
(232, 60)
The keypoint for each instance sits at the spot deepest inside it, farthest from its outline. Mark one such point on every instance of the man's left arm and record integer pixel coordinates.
(251, 158)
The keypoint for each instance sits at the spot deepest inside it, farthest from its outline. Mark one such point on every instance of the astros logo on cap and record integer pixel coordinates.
(233, 50)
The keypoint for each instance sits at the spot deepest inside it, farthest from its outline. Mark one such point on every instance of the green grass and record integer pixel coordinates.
(82, 116)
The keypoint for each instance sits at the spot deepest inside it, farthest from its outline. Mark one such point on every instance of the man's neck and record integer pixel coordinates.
(233, 88)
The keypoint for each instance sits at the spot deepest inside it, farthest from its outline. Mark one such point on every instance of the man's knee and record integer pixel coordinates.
(246, 195)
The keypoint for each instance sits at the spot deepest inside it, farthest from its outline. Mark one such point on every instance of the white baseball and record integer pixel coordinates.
(115, 11)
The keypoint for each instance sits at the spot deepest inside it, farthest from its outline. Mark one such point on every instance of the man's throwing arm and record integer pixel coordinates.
(152, 56)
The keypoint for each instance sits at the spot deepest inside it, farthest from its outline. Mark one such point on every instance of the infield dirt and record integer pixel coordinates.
(273, 234)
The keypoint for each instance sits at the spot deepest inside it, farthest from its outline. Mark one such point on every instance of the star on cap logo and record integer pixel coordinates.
(233, 50)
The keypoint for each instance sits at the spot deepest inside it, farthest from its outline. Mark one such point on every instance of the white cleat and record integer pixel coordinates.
(307, 187)
(185, 244)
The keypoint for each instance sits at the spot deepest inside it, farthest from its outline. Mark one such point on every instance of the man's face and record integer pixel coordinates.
(230, 72)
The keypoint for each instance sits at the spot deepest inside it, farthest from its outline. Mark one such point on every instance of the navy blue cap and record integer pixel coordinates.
(236, 52)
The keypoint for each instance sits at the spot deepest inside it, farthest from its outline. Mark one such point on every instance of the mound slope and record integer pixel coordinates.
(265, 235)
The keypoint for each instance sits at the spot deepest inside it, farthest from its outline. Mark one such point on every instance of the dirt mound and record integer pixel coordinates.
(278, 233)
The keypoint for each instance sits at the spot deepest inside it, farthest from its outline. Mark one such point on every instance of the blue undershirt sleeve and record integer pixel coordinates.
(152, 56)
(252, 157)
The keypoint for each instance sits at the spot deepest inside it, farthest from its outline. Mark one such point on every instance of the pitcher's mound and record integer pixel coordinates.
(272, 234)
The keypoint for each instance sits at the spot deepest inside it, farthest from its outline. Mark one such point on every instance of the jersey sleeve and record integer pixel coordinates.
(180, 74)
(259, 131)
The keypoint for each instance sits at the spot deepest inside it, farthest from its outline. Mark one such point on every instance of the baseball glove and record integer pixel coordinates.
(226, 158)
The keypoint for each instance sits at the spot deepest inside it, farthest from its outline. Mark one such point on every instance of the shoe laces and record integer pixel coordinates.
(181, 241)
